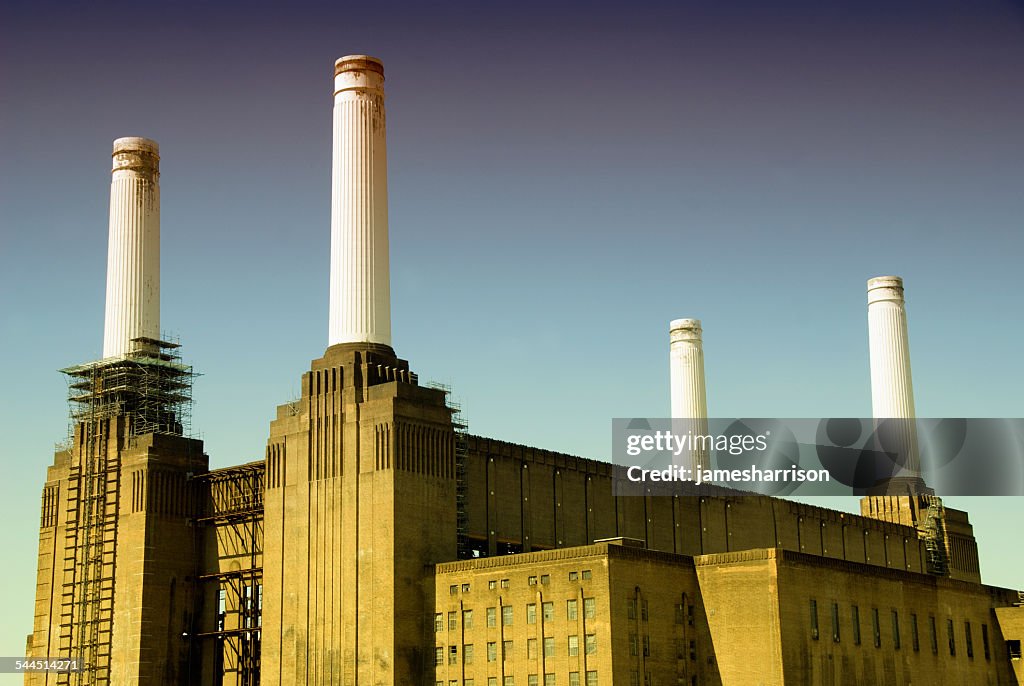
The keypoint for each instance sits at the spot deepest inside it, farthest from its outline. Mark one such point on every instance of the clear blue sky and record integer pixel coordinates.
(564, 180)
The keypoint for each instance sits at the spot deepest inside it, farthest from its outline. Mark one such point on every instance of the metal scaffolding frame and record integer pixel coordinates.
(233, 499)
(146, 391)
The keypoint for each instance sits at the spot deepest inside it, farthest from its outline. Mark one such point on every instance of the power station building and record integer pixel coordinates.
(377, 542)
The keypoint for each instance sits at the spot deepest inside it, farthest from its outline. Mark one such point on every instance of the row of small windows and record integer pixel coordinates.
(550, 679)
(507, 613)
(543, 579)
(897, 641)
(508, 650)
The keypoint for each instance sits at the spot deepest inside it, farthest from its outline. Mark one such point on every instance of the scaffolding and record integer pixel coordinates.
(146, 391)
(932, 531)
(233, 508)
(461, 447)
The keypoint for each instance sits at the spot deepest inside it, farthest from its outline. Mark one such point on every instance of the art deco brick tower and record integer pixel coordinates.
(116, 547)
(361, 470)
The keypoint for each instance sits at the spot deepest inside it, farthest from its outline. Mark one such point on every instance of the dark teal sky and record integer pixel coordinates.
(564, 180)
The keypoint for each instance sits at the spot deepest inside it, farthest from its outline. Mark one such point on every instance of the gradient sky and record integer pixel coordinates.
(564, 180)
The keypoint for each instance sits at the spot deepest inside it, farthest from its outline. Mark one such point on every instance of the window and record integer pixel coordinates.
(531, 680)
(532, 581)
(467, 654)
(592, 678)
(573, 576)
(1013, 649)
(634, 678)
(453, 589)
(492, 681)
(935, 635)
(631, 608)
(835, 622)
(586, 577)
(467, 619)
(439, 655)
(590, 645)
(914, 638)
(570, 609)
(438, 622)
(549, 646)
(814, 619)
(492, 651)
(549, 680)
(643, 610)
(952, 638)
(689, 615)
(492, 617)
(531, 613)
(453, 622)
(453, 655)
(491, 585)
(467, 682)
(531, 649)
(222, 608)
(548, 609)
(574, 679)
(634, 644)
(984, 641)
(506, 615)
(506, 650)
(896, 629)
(510, 681)
(876, 630)
(504, 583)
(589, 608)
(574, 646)
(680, 613)
(693, 650)
(465, 588)
(545, 579)
(855, 616)
(968, 640)
(647, 645)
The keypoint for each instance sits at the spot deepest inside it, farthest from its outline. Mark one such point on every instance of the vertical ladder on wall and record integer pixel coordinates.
(933, 531)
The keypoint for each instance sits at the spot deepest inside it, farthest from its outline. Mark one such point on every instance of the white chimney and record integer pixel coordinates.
(892, 390)
(133, 250)
(360, 280)
(686, 369)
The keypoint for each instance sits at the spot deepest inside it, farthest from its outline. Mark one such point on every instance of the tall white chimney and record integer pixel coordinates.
(686, 369)
(133, 250)
(360, 279)
(892, 390)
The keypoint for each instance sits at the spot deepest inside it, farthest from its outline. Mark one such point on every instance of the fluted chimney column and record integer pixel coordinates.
(360, 280)
(686, 369)
(133, 249)
(892, 391)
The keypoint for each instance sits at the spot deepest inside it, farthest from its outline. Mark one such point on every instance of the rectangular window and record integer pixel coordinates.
(492, 651)
(574, 679)
(634, 678)
(545, 579)
(835, 622)
(590, 644)
(467, 654)
(592, 678)
(647, 646)
(549, 680)
(453, 655)
(896, 629)
(504, 583)
(506, 615)
(467, 619)
(531, 649)
(453, 590)
(548, 610)
(574, 646)
(439, 655)
(438, 622)
(634, 644)
(680, 613)
(1013, 649)
(570, 609)
(506, 651)
(492, 617)
(951, 637)
(984, 641)
(968, 640)
(814, 619)
(876, 629)
(855, 617)
(631, 608)
(689, 615)
(531, 680)
(492, 681)
(492, 584)
(643, 610)
(589, 608)
(531, 613)
(586, 577)
(573, 576)
(465, 588)
(510, 681)
(531, 581)
(914, 638)
(453, 622)
(549, 646)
